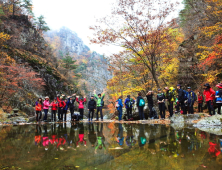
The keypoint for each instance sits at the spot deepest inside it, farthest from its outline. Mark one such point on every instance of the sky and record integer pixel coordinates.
(77, 15)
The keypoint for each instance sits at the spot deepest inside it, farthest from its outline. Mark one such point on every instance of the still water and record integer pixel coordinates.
(108, 146)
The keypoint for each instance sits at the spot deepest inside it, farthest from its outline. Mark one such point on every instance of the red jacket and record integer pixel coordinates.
(200, 99)
(209, 94)
(54, 105)
(81, 103)
(61, 141)
(81, 139)
(61, 103)
(38, 106)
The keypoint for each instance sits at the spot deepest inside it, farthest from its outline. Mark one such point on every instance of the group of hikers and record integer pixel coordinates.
(60, 105)
(182, 99)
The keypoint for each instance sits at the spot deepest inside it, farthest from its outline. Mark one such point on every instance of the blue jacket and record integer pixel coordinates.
(191, 97)
(218, 99)
(120, 104)
(67, 105)
(129, 100)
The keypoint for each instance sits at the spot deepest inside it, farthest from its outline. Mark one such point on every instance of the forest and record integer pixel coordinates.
(158, 50)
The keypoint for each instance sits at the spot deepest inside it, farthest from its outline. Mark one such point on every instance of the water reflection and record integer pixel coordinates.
(108, 146)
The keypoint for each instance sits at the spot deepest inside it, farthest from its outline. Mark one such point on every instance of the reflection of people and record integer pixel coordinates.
(71, 137)
(81, 136)
(130, 141)
(38, 137)
(45, 139)
(92, 135)
(120, 138)
(142, 137)
(100, 138)
(53, 139)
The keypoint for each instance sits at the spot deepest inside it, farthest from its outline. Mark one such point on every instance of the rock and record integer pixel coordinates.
(177, 118)
(215, 120)
(31, 119)
(189, 118)
(19, 119)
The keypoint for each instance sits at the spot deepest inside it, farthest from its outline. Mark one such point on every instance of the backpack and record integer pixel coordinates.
(194, 96)
(129, 103)
(142, 102)
(102, 103)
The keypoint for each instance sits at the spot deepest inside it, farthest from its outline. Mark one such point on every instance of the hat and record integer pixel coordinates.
(55, 98)
(92, 96)
(207, 85)
(166, 88)
(178, 85)
(47, 97)
(188, 87)
(61, 97)
(159, 89)
(219, 85)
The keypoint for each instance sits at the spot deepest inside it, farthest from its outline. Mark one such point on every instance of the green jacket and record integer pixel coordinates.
(99, 100)
(100, 143)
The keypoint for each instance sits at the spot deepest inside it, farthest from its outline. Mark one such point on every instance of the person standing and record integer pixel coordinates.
(91, 107)
(191, 98)
(81, 102)
(140, 103)
(65, 108)
(54, 107)
(219, 97)
(38, 109)
(149, 97)
(129, 106)
(46, 105)
(171, 99)
(72, 100)
(100, 104)
(120, 107)
(91, 134)
(200, 102)
(161, 102)
(181, 99)
(209, 94)
(61, 105)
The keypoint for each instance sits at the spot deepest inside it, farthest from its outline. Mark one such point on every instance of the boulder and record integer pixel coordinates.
(217, 130)
(189, 118)
(177, 118)
(19, 119)
(215, 120)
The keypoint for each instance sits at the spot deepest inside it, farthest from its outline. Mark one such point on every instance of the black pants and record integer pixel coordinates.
(183, 107)
(91, 111)
(129, 112)
(71, 111)
(60, 113)
(200, 107)
(141, 114)
(53, 115)
(170, 108)
(38, 115)
(150, 108)
(219, 107)
(64, 113)
(99, 109)
(190, 108)
(81, 111)
(162, 110)
(210, 107)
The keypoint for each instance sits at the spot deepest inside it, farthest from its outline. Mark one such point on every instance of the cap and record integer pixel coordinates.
(219, 85)
(207, 85)
(159, 89)
(166, 88)
(178, 85)
(188, 87)
(47, 97)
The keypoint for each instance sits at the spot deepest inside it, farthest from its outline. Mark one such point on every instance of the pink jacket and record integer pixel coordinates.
(81, 103)
(46, 104)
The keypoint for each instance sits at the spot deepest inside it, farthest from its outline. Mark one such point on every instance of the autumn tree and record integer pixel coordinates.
(143, 31)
